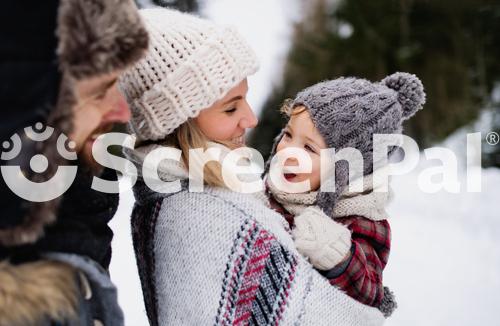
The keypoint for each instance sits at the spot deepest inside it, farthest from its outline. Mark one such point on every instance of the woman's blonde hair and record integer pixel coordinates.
(189, 136)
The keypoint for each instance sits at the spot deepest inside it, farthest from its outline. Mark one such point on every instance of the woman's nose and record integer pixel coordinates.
(248, 120)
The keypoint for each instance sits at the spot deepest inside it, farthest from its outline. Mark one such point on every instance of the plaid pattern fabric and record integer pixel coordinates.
(257, 280)
(362, 277)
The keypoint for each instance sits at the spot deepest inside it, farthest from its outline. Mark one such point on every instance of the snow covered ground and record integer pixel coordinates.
(445, 260)
(123, 268)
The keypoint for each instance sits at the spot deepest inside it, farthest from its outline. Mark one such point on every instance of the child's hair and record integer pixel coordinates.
(289, 109)
(189, 136)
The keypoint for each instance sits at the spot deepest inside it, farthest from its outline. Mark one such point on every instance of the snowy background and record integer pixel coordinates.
(445, 260)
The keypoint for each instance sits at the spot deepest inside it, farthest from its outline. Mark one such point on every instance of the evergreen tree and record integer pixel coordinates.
(491, 151)
(452, 46)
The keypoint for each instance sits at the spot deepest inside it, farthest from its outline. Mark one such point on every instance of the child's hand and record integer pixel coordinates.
(318, 237)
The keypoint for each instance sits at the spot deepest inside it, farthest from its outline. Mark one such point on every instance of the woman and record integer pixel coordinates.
(216, 256)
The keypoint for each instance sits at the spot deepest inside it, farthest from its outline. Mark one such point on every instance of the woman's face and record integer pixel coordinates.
(227, 119)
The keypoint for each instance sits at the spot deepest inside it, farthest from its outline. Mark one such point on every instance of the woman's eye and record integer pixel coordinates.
(232, 110)
(287, 134)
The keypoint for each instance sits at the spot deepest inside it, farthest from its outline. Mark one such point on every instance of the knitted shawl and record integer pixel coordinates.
(220, 257)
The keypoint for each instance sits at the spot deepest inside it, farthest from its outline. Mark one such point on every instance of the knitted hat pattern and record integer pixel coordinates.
(347, 113)
(191, 63)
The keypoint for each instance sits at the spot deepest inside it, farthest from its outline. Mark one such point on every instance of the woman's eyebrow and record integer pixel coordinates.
(234, 99)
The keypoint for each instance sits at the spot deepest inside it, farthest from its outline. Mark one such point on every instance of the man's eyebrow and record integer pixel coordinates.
(103, 87)
(234, 99)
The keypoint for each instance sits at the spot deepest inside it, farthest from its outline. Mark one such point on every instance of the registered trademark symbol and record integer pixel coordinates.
(492, 138)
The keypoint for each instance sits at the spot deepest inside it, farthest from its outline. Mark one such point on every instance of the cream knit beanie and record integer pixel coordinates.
(191, 63)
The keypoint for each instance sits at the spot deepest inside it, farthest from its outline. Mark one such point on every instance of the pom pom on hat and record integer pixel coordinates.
(410, 91)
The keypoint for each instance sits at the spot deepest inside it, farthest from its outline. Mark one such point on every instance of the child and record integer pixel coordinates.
(345, 235)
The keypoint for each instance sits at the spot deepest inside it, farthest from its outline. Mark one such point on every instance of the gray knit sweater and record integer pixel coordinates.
(222, 257)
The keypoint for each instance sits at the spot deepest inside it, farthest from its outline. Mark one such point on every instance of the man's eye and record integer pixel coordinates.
(101, 96)
(98, 96)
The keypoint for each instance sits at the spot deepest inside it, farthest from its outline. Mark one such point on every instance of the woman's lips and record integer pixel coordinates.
(239, 141)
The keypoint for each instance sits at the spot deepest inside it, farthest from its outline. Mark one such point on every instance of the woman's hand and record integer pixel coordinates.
(318, 237)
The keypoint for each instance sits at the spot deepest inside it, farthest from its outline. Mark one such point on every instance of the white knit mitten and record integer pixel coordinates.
(318, 237)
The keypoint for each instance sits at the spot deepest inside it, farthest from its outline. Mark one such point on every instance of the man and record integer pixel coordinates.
(59, 63)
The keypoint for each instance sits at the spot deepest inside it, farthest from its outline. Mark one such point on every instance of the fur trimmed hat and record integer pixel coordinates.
(99, 36)
(64, 41)
(347, 113)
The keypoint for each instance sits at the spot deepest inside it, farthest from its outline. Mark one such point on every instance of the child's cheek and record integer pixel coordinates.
(315, 175)
(280, 145)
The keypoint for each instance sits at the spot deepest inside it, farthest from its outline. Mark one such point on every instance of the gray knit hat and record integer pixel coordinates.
(348, 111)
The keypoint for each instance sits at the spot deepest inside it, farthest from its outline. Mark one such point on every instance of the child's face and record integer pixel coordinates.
(300, 132)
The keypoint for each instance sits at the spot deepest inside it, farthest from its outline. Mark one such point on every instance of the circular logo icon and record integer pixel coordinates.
(38, 191)
(492, 138)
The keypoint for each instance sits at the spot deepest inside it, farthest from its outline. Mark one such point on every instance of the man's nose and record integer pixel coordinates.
(120, 111)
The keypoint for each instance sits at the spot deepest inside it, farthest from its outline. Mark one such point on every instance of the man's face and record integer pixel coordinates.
(99, 106)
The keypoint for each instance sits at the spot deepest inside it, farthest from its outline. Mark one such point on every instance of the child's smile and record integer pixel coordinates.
(289, 176)
(301, 133)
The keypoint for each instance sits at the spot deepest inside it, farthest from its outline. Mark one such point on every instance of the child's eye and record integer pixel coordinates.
(232, 110)
(309, 148)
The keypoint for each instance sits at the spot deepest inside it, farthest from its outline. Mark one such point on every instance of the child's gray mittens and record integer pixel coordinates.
(318, 237)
